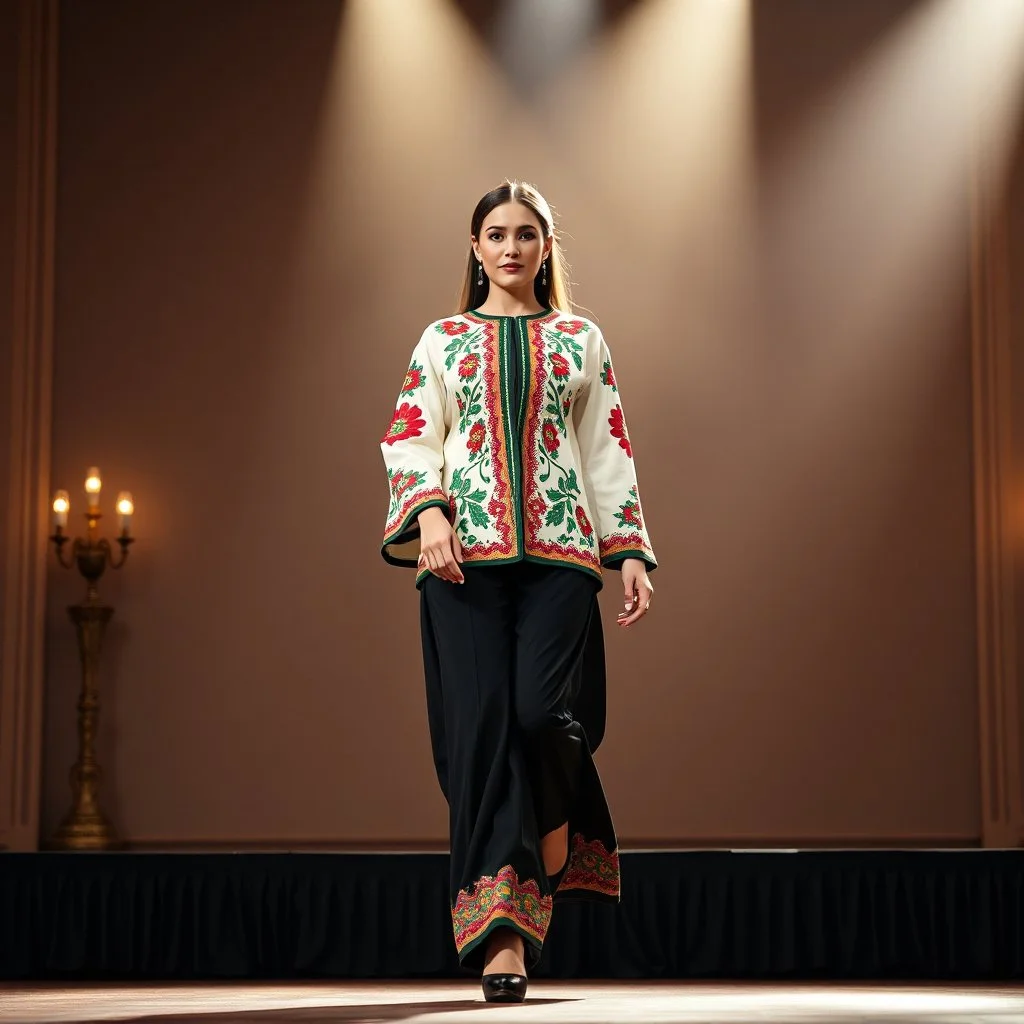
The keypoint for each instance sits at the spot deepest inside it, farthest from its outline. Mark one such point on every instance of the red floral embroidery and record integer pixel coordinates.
(618, 426)
(550, 435)
(453, 328)
(559, 365)
(536, 507)
(407, 422)
(468, 365)
(401, 482)
(608, 376)
(629, 516)
(477, 435)
(570, 326)
(414, 379)
(583, 522)
(495, 507)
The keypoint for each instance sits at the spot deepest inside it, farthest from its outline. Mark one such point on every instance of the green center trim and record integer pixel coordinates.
(508, 419)
(524, 371)
(524, 391)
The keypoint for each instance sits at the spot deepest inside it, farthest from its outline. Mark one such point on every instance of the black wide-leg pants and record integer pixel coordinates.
(504, 664)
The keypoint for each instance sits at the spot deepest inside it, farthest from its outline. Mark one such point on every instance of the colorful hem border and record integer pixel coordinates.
(592, 867)
(500, 897)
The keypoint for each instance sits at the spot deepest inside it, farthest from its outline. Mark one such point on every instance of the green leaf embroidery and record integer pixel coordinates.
(556, 515)
(459, 486)
(476, 496)
(453, 351)
(469, 405)
(478, 515)
(555, 495)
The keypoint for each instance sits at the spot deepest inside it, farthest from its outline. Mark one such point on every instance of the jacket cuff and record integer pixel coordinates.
(618, 547)
(406, 529)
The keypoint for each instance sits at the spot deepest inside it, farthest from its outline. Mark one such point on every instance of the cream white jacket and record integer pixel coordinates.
(514, 426)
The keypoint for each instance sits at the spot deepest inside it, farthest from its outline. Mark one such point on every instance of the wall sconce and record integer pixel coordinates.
(85, 826)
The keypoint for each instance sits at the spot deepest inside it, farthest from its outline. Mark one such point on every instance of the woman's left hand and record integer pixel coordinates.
(637, 589)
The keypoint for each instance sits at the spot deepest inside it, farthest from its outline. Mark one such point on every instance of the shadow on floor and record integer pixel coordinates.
(362, 1013)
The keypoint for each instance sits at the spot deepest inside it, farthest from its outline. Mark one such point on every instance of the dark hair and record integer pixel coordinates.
(556, 292)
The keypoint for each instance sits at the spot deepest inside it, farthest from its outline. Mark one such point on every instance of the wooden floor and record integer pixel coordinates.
(443, 1002)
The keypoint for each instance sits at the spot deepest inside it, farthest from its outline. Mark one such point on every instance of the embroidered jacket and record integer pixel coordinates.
(514, 426)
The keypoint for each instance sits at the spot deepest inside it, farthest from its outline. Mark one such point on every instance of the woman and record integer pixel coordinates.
(512, 490)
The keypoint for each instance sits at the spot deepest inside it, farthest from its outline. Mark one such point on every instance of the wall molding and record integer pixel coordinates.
(626, 843)
(999, 697)
(29, 426)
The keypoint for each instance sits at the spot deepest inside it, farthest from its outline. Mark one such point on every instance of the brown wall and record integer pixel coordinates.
(257, 215)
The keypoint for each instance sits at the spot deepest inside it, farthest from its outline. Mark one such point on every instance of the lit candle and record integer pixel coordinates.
(61, 506)
(93, 486)
(125, 508)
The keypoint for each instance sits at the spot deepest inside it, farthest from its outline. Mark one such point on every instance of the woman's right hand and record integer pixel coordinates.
(440, 550)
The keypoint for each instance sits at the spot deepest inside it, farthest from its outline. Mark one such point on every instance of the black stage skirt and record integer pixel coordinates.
(515, 677)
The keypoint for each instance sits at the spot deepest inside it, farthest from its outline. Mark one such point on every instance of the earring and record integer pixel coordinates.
(480, 272)
(544, 272)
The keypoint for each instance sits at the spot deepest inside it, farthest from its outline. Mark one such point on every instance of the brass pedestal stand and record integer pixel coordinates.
(85, 826)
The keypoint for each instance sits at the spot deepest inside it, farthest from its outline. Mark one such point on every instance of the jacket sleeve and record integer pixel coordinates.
(413, 449)
(609, 472)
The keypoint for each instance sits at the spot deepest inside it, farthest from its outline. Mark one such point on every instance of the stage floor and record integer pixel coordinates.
(443, 1002)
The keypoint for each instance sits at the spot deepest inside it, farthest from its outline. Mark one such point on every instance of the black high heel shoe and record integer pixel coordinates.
(504, 988)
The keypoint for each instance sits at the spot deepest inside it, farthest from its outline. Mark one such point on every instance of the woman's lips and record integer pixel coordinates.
(511, 267)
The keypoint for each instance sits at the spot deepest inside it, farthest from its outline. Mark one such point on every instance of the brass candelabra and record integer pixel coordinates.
(85, 826)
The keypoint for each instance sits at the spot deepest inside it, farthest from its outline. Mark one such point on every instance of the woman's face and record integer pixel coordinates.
(512, 245)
